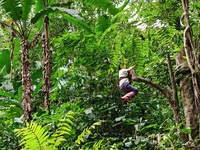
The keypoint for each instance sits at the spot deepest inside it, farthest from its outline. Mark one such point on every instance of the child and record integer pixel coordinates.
(125, 83)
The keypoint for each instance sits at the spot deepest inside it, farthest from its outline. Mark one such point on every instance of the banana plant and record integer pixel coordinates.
(20, 13)
(45, 7)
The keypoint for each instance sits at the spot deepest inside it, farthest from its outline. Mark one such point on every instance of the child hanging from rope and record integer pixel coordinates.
(125, 83)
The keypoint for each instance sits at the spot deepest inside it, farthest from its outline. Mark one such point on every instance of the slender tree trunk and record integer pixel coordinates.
(27, 101)
(27, 88)
(11, 54)
(175, 106)
(46, 61)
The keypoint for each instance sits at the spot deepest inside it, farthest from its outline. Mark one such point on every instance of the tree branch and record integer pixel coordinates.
(155, 85)
(172, 78)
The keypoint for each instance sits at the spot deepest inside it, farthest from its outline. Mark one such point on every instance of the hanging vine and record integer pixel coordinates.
(191, 53)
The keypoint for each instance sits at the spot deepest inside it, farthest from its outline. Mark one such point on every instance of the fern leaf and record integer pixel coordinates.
(58, 142)
(41, 133)
(69, 121)
(86, 131)
(65, 124)
(67, 129)
(34, 136)
(69, 114)
(34, 127)
(43, 138)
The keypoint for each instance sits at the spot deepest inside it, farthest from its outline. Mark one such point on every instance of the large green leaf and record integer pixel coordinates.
(104, 23)
(71, 12)
(5, 60)
(26, 8)
(38, 87)
(20, 93)
(13, 8)
(103, 4)
(16, 54)
(3, 71)
(39, 7)
(2, 93)
(49, 10)
(78, 23)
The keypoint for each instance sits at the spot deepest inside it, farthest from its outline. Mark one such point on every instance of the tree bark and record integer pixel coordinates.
(46, 61)
(27, 89)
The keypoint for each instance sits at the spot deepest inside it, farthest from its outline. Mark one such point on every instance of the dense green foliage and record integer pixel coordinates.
(87, 46)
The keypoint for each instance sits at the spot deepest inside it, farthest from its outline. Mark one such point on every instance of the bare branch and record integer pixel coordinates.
(155, 85)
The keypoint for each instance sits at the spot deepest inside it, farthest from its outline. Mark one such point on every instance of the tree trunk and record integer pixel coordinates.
(187, 95)
(46, 61)
(190, 91)
(175, 105)
(27, 89)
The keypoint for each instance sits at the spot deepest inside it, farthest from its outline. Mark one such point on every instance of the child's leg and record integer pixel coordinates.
(132, 88)
(128, 96)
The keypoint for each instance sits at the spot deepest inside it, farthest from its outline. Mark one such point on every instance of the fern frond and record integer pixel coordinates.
(34, 136)
(63, 129)
(97, 145)
(85, 132)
